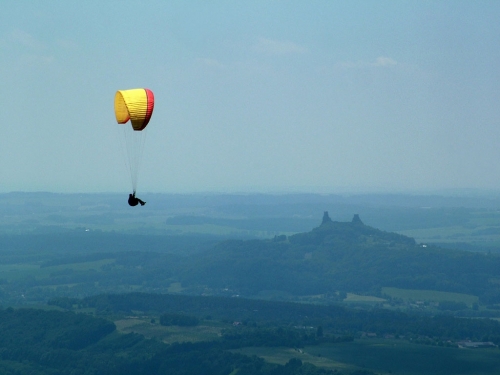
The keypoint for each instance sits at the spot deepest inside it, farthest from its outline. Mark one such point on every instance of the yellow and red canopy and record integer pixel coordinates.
(135, 105)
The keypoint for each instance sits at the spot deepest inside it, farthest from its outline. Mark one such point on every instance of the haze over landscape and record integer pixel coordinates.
(253, 97)
(321, 182)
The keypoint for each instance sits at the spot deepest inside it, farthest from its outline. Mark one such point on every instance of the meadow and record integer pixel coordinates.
(388, 356)
(429, 295)
(208, 331)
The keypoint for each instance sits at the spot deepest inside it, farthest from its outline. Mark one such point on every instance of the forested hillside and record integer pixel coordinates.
(341, 256)
(323, 265)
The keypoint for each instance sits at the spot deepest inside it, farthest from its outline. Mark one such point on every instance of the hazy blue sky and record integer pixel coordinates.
(252, 95)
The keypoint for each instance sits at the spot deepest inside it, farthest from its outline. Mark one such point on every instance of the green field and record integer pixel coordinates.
(358, 298)
(175, 288)
(282, 355)
(17, 271)
(388, 357)
(402, 357)
(429, 295)
(483, 237)
(170, 334)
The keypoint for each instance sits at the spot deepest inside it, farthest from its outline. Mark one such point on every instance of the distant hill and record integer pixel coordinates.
(340, 256)
(323, 264)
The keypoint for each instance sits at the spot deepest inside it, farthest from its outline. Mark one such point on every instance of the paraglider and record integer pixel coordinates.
(134, 201)
(137, 106)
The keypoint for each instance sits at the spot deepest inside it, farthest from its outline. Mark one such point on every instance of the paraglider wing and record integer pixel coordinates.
(135, 105)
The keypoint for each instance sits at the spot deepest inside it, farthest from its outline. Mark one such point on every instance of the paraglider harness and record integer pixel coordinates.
(134, 201)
